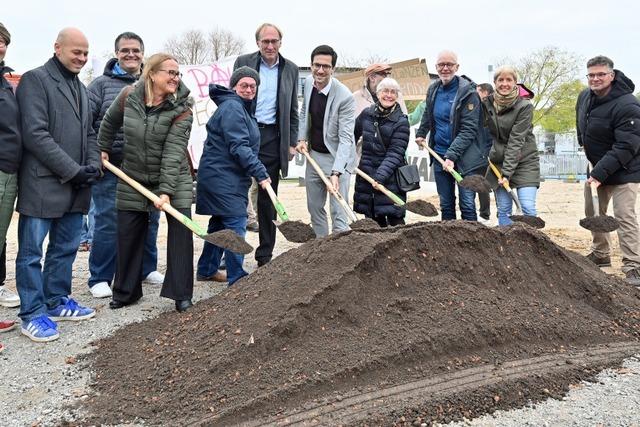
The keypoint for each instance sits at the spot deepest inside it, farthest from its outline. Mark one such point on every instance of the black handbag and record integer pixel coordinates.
(407, 177)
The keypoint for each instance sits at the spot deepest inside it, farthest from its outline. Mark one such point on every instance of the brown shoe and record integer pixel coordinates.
(604, 261)
(219, 276)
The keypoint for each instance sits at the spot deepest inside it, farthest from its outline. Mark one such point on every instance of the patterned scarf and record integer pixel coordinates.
(384, 112)
(500, 102)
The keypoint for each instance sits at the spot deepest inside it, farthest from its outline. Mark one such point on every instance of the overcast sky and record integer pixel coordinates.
(479, 31)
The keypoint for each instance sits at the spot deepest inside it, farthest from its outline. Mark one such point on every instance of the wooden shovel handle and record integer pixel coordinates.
(436, 156)
(397, 200)
(335, 194)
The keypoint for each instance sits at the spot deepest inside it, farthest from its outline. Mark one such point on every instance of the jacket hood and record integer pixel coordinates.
(621, 85)
(108, 71)
(220, 94)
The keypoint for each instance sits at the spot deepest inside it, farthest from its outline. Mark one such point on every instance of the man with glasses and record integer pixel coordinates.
(327, 119)
(60, 162)
(608, 127)
(121, 71)
(452, 119)
(366, 95)
(277, 115)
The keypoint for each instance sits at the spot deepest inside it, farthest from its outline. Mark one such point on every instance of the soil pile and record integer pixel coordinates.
(477, 183)
(364, 224)
(532, 221)
(363, 311)
(296, 231)
(229, 239)
(422, 207)
(600, 224)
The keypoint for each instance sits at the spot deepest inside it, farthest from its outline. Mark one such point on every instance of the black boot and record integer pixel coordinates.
(183, 305)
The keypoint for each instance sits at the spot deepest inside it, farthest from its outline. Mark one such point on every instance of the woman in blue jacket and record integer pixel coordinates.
(229, 160)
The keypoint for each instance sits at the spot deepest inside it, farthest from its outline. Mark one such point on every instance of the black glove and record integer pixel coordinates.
(85, 176)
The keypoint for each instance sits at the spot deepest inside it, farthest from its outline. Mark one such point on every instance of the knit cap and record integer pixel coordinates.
(243, 72)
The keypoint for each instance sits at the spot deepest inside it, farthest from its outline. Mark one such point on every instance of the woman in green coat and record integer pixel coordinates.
(514, 151)
(156, 119)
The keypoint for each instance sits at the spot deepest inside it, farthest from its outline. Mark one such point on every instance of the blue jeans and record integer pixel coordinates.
(446, 187)
(43, 288)
(102, 259)
(211, 254)
(88, 222)
(504, 203)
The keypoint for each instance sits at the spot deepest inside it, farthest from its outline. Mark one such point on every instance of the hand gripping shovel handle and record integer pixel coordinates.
(335, 194)
(506, 186)
(276, 204)
(397, 200)
(149, 195)
(455, 174)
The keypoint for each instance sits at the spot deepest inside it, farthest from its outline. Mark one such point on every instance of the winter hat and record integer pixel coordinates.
(243, 72)
(4, 33)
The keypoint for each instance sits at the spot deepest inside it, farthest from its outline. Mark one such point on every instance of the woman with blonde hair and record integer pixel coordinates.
(514, 152)
(156, 119)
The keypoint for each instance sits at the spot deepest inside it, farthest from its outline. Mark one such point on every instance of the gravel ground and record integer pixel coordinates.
(39, 379)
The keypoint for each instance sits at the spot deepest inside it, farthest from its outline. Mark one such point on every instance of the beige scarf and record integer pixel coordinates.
(500, 102)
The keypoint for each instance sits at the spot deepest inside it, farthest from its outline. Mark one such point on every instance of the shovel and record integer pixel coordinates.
(226, 239)
(419, 207)
(293, 231)
(598, 223)
(476, 183)
(350, 213)
(533, 221)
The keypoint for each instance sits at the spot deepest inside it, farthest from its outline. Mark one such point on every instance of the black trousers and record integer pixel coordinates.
(3, 264)
(485, 205)
(132, 232)
(385, 220)
(269, 155)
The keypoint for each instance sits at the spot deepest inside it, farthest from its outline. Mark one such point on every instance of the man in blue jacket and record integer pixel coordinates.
(121, 71)
(452, 118)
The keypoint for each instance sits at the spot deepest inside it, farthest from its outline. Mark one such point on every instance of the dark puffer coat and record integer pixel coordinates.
(155, 151)
(609, 130)
(230, 156)
(102, 91)
(380, 161)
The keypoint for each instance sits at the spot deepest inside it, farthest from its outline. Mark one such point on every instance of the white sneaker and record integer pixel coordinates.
(101, 290)
(8, 298)
(483, 221)
(154, 278)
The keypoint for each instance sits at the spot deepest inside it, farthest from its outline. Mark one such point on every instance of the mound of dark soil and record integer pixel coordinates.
(477, 183)
(364, 224)
(532, 221)
(600, 224)
(422, 207)
(363, 311)
(296, 231)
(229, 239)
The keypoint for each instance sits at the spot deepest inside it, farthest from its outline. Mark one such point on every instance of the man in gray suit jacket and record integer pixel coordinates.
(327, 118)
(60, 162)
(277, 115)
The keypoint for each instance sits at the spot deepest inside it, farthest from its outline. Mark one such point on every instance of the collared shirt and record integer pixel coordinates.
(326, 89)
(266, 105)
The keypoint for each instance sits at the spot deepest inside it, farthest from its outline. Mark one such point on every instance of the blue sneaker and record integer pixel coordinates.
(69, 309)
(40, 329)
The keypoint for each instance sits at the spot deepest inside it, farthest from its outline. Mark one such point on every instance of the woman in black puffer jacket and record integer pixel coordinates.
(385, 135)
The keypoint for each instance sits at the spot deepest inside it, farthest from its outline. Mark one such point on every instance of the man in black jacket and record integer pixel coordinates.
(608, 126)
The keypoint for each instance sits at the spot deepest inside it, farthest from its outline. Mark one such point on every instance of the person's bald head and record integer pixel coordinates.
(72, 49)
(447, 66)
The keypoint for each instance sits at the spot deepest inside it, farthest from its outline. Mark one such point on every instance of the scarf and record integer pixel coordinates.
(500, 102)
(383, 112)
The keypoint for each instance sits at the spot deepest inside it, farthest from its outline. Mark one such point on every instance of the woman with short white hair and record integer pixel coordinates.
(384, 129)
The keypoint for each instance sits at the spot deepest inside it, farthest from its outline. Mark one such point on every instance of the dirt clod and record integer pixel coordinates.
(229, 239)
(533, 221)
(364, 224)
(422, 207)
(296, 231)
(360, 312)
(600, 224)
(477, 183)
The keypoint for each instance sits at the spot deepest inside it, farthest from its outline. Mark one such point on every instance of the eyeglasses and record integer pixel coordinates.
(245, 86)
(173, 74)
(325, 67)
(267, 42)
(127, 51)
(443, 65)
(388, 91)
(592, 76)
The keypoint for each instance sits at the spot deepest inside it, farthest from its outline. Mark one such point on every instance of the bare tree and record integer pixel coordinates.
(189, 48)
(224, 43)
(350, 61)
(547, 72)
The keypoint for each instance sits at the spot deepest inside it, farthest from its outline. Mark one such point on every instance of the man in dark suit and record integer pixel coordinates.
(277, 115)
(60, 162)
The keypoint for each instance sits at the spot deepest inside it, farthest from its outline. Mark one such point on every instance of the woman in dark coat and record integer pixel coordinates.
(156, 118)
(229, 160)
(385, 135)
(509, 118)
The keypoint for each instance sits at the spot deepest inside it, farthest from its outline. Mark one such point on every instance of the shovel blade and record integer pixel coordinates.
(230, 240)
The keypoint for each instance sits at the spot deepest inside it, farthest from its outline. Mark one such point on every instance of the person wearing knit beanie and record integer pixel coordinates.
(5, 34)
(243, 72)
